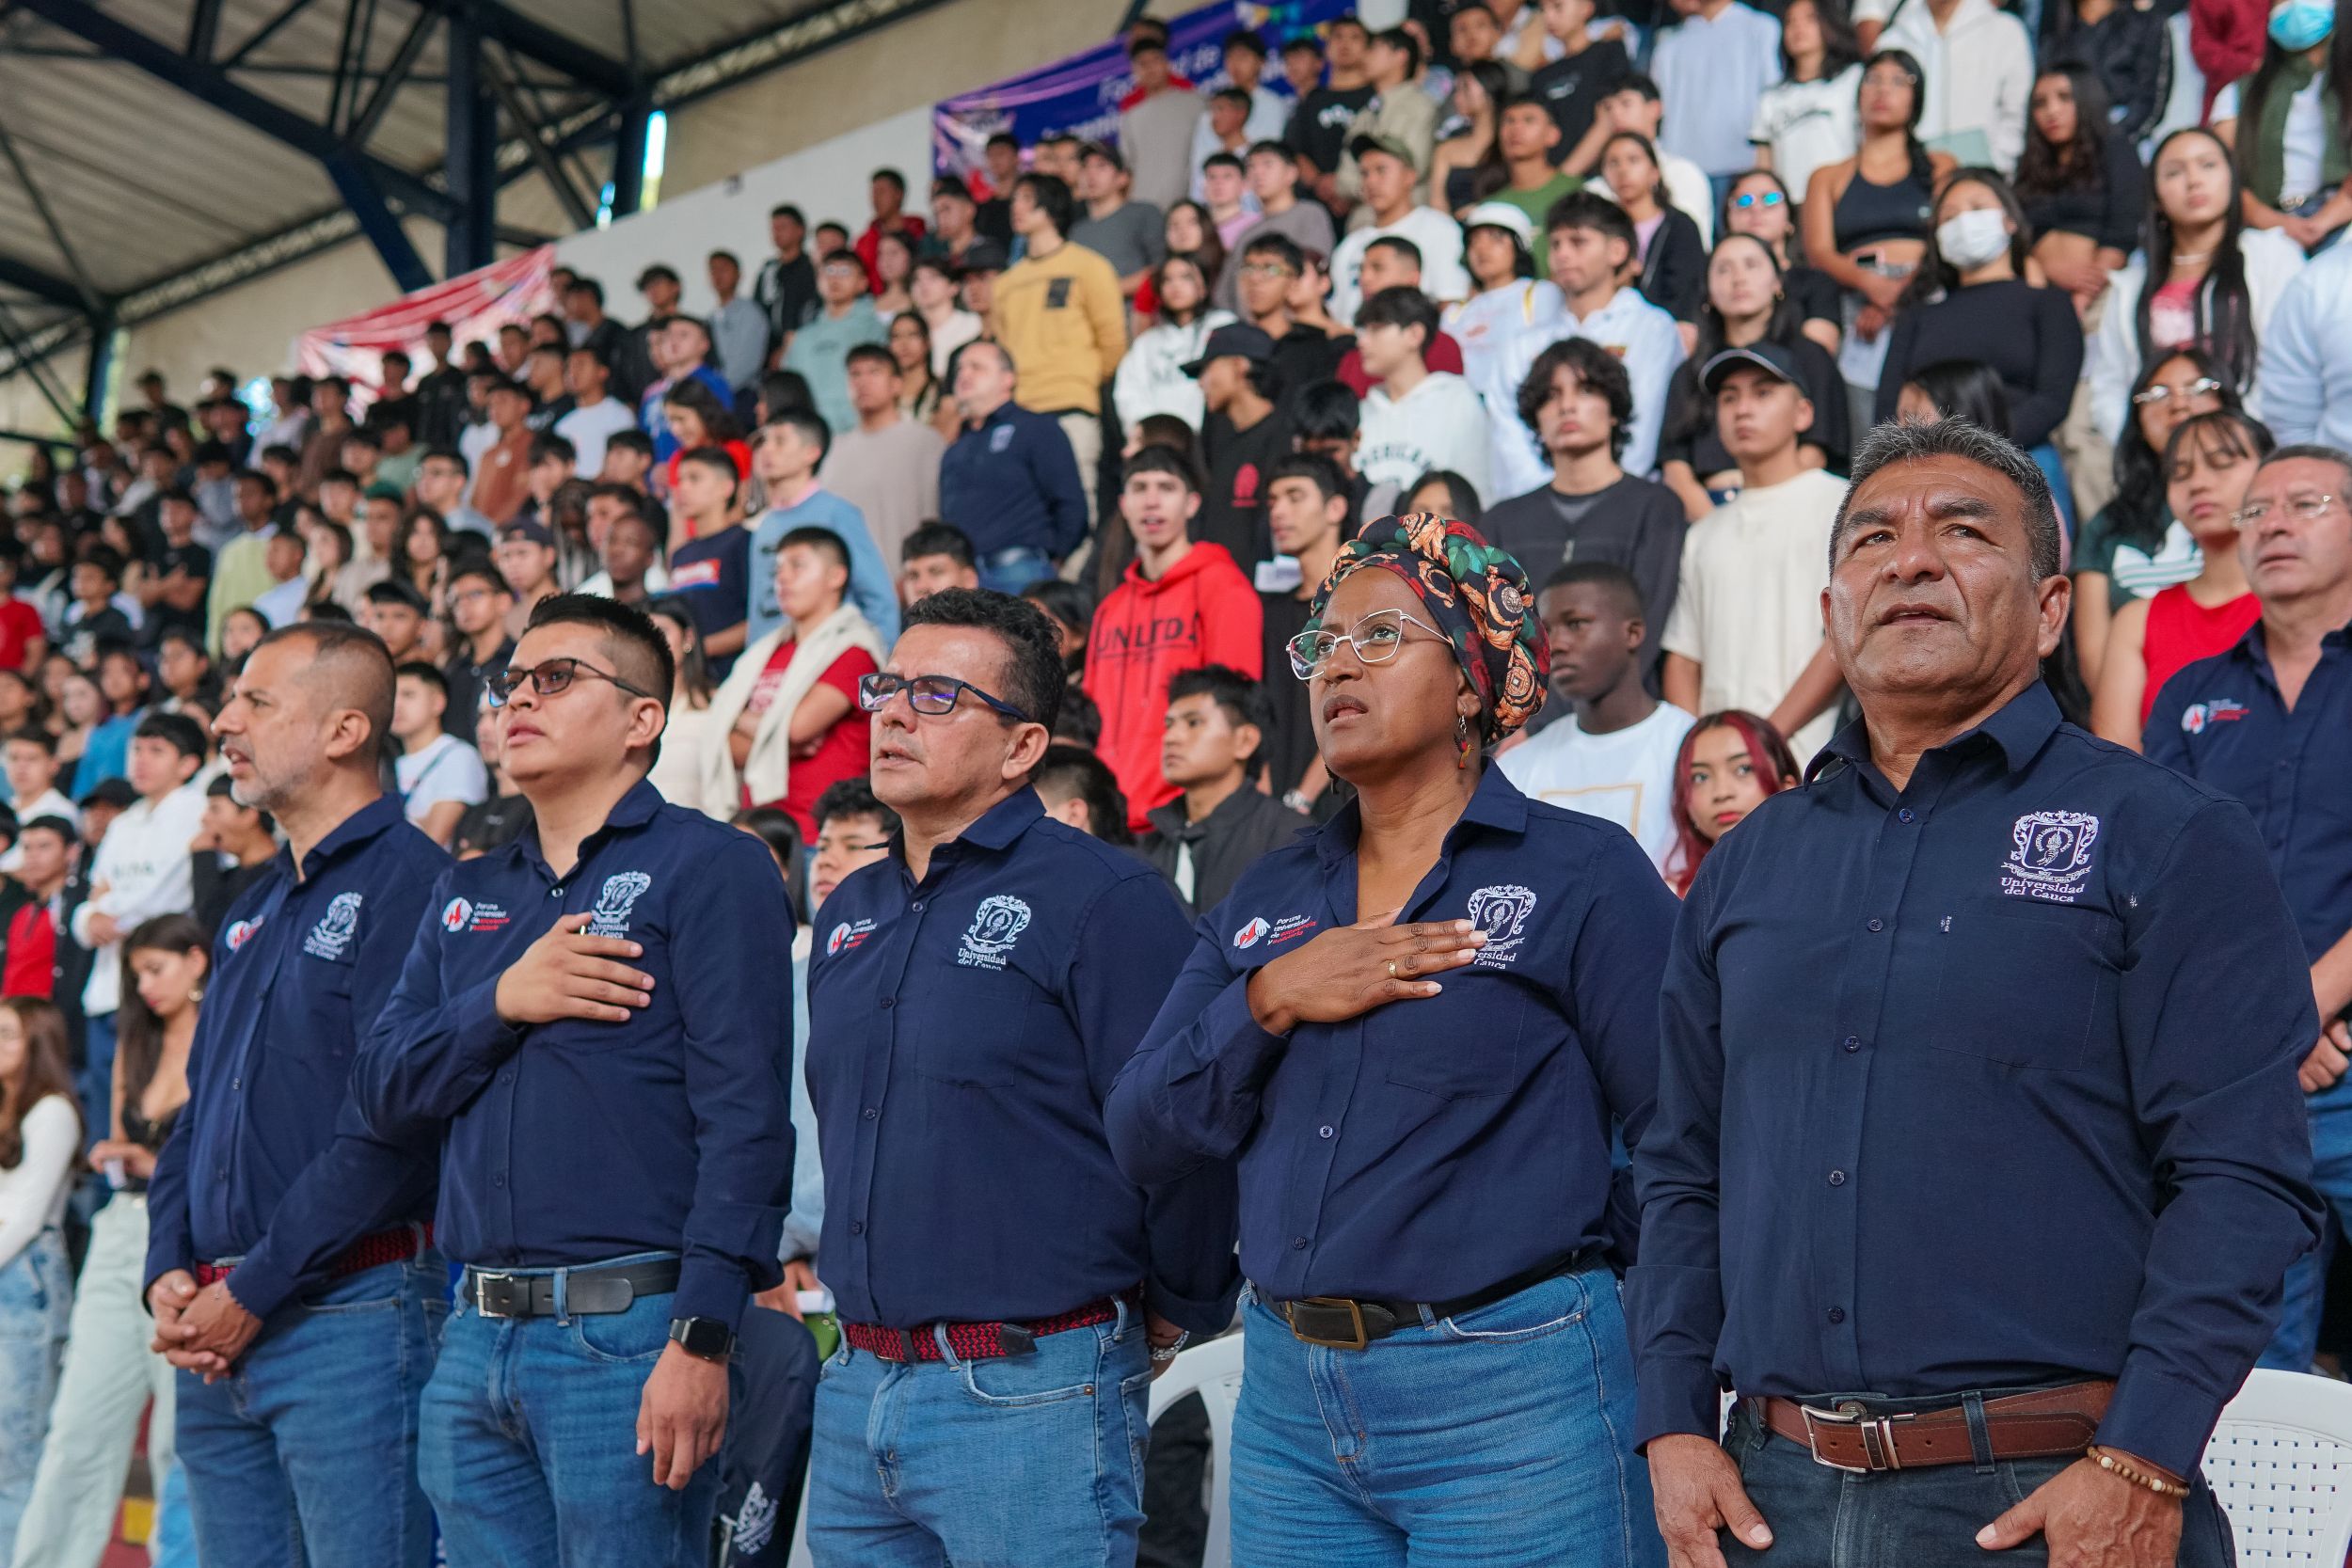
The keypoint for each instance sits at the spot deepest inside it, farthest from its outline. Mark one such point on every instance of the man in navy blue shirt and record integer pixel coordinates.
(1009, 483)
(289, 1264)
(596, 1019)
(2270, 722)
(971, 998)
(1977, 1157)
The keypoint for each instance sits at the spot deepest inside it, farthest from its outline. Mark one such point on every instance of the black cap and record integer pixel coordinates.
(1106, 151)
(531, 532)
(117, 793)
(395, 591)
(1771, 358)
(1237, 338)
(984, 256)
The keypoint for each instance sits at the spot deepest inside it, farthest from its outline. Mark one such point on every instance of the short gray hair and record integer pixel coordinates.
(2312, 452)
(1889, 444)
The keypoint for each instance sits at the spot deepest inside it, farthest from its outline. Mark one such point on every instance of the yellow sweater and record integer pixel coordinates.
(1064, 322)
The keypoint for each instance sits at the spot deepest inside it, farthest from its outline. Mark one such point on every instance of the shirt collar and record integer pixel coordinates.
(2019, 729)
(994, 830)
(370, 821)
(1496, 803)
(633, 810)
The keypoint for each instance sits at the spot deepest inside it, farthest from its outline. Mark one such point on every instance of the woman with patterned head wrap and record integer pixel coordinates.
(1410, 1032)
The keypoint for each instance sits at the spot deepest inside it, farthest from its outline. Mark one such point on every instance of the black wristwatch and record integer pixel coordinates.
(706, 1338)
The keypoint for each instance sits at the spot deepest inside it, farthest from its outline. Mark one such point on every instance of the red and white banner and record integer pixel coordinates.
(475, 306)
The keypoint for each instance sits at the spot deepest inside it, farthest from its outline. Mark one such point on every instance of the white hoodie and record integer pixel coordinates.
(1440, 424)
(143, 869)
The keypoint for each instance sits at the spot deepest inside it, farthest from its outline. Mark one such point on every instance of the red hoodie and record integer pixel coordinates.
(1200, 611)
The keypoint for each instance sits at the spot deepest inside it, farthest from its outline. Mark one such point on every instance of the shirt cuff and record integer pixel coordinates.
(712, 1288)
(1674, 1397)
(258, 1284)
(2160, 1419)
(481, 1037)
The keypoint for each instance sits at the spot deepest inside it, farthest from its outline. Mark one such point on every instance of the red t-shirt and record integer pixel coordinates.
(841, 751)
(31, 969)
(20, 623)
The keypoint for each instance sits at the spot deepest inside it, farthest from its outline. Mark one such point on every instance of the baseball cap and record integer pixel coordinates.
(1237, 338)
(1771, 358)
(1395, 146)
(117, 793)
(1502, 215)
(530, 532)
(1104, 151)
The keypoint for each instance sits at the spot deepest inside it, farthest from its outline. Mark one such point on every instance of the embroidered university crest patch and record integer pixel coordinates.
(997, 924)
(332, 937)
(614, 900)
(1499, 911)
(2050, 856)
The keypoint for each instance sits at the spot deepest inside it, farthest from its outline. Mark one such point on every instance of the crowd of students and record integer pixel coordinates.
(1622, 289)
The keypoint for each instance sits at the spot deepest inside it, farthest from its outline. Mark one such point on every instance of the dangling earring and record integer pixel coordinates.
(1461, 738)
(197, 994)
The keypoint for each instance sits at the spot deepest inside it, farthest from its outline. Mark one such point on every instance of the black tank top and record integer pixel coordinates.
(1866, 214)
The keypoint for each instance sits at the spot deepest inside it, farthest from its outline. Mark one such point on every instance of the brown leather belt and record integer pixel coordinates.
(2046, 1422)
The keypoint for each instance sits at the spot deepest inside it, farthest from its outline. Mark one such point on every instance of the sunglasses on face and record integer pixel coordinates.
(2204, 385)
(1758, 198)
(550, 679)
(933, 695)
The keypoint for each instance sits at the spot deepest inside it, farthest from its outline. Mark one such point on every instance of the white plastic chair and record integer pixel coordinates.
(1212, 1370)
(2280, 1462)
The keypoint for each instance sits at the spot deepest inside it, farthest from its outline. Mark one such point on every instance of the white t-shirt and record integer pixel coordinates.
(1625, 776)
(1440, 424)
(444, 769)
(2303, 144)
(1807, 124)
(589, 427)
(1749, 609)
(1437, 237)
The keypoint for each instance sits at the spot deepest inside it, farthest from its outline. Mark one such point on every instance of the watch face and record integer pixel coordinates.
(702, 1337)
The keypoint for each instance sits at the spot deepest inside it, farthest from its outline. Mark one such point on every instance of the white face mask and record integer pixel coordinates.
(1974, 238)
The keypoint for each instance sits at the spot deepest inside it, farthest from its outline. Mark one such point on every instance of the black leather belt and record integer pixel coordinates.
(1349, 1322)
(588, 1292)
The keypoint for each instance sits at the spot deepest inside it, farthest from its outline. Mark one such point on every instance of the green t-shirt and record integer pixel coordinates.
(1535, 203)
(2134, 571)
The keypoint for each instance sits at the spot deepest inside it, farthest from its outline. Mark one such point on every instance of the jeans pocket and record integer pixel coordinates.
(1530, 1314)
(623, 1339)
(1022, 1382)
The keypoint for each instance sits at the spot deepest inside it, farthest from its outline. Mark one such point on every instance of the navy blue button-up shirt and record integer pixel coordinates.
(2222, 722)
(1433, 1146)
(577, 1142)
(1985, 1081)
(1012, 484)
(269, 1160)
(964, 1030)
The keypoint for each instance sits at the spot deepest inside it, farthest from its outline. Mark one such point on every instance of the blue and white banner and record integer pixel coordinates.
(1080, 96)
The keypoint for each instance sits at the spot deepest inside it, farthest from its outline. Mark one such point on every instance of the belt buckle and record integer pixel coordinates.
(1878, 1436)
(1355, 1316)
(482, 1283)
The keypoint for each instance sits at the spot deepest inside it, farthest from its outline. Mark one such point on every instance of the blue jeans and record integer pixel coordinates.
(1014, 570)
(1500, 1438)
(2296, 1340)
(94, 1084)
(35, 1299)
(173, 1541)
(529, 1449)
(306, 1453)
(2045, 457)
(1011, 1463)
(1925, 1519)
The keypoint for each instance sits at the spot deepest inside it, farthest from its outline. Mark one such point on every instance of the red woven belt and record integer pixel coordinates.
(973, 1342)
(370, 1251)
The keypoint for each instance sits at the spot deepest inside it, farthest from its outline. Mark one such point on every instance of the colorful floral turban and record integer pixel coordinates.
(1477, 595)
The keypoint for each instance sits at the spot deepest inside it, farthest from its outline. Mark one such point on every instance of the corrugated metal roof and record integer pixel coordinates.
(147, 181)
